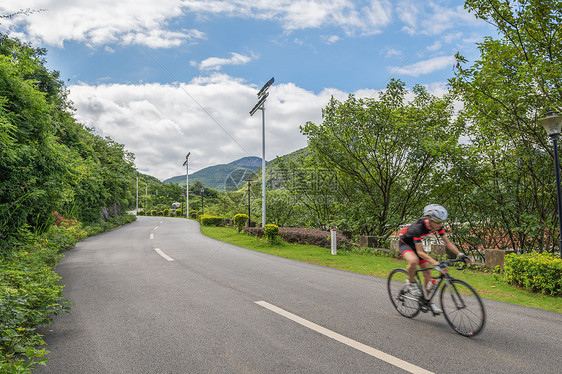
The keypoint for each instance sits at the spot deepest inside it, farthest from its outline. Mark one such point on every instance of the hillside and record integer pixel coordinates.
(221, 177)
(231, 176)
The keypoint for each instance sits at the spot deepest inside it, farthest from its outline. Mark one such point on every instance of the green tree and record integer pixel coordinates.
(509, 198)
(32, 168)
(387, 154)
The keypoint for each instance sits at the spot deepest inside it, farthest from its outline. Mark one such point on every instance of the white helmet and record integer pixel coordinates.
(435, 212)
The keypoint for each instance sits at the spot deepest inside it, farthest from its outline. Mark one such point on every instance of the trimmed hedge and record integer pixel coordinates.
(297, 235)
(254, 231)
(536, 272)
(209, 220)
(319, 238)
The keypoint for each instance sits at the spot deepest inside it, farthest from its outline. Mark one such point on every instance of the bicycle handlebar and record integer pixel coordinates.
(450, 262)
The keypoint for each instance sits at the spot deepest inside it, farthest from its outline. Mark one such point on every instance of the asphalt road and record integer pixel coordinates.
(156, 296)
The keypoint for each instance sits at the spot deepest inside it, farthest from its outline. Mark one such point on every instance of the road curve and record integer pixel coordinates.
(156, 296)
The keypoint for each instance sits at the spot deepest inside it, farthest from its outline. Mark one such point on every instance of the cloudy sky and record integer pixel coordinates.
(169, 77)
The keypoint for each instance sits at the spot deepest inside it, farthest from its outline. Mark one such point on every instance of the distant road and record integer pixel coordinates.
(156, 296)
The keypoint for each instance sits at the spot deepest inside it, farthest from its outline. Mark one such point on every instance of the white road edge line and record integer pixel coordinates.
(151, 236)
(411, 368)
(159, 251)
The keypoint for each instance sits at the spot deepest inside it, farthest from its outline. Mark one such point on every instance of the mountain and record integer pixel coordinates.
(232, 176)
(224, 177)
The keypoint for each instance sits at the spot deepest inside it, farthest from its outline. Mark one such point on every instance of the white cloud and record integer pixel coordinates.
(424, 67)
(216, 63)
(332, 39)
(435, 46)
(391, 52)
(304, 14)
(429, 18)
(208, 117)
(100, 22)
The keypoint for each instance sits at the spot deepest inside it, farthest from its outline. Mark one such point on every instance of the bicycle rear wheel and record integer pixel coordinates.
(404, 302)
(463, 308)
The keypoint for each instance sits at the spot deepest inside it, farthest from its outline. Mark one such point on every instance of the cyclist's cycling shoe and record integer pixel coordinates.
(436, 309)
(413, 289)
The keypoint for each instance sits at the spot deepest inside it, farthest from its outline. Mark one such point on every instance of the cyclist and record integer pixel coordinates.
(411, 247)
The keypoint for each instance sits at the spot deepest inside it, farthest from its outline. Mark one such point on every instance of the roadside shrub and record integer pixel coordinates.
(240, 221)
(319, 238)
(30, 294)
(194, 214)
(140, 213)
(209, 220)
(254, 231)
(271, 233)
(536, 272)
(166, 212)
(179, 213)
(154, 212)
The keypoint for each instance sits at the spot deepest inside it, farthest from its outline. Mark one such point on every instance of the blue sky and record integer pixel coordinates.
(175, 76)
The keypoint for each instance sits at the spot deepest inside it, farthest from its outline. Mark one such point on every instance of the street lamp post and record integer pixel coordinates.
(262, 96)
(137, 208)
(552, 123)
(186, 164)
(202, 190)
(249, 217)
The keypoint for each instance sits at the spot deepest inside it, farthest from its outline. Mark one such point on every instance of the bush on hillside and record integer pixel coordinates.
(240, 221)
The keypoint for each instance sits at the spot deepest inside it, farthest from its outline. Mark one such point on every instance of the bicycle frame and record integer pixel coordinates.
(442, 279)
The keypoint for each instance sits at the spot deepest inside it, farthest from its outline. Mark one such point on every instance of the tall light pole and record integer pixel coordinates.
(186, 164)
(137, 210)
(202, 192)
(249, 217)
(262, 96)
(552, 123)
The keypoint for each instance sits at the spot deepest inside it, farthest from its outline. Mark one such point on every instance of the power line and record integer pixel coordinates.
(196, 102)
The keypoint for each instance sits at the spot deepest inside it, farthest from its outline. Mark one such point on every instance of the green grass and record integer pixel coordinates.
(489, 286)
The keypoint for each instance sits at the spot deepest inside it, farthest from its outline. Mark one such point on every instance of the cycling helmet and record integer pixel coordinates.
(435, 212)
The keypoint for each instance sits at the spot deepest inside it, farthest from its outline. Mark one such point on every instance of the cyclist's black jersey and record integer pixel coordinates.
(417, 231)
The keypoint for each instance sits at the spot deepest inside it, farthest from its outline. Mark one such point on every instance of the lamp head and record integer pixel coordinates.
(552, 123)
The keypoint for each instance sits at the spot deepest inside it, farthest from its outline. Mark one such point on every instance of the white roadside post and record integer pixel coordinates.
(334, 242)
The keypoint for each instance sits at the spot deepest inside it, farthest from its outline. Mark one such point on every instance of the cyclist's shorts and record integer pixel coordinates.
(403, 248)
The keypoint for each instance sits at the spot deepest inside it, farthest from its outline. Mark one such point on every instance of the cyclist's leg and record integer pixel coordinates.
(413, 260)
(426, 274)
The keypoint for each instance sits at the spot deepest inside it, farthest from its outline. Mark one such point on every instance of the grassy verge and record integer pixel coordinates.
(489, 286)
(30, 291)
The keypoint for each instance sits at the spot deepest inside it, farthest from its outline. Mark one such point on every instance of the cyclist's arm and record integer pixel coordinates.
(451, 247)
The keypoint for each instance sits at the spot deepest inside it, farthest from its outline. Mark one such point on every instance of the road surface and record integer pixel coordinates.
(156, 296)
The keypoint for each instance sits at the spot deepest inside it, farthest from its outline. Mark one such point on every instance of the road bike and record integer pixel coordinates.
(461, 304)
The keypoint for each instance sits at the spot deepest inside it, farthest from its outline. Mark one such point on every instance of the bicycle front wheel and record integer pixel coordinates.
(463, 308)
(404, 302)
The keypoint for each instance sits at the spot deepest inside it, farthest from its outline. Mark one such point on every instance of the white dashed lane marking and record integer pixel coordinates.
(159, 251)
(411, 368)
